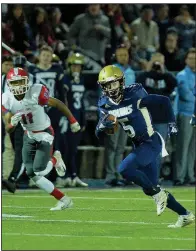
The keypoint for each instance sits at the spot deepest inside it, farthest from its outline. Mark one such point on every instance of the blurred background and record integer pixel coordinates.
(152, 44)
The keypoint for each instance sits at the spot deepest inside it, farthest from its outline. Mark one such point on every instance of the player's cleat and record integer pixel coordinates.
(62, 204)
(60, 165)
(76, 182)
(184, 220)
(10, 186)
(161, 201)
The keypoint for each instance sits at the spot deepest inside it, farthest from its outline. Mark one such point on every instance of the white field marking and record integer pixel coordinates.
(100, 236)
(81, 209)
(95, 222)
(85, 209)
(15, 216)
(101, 190)
(86, 197)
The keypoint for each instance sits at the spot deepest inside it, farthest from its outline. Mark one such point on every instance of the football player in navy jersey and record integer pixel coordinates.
(48, 73)
(66, 140)
(52, 76)
(136, 111)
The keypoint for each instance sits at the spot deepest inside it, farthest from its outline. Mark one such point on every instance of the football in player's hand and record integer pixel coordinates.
(111, 131)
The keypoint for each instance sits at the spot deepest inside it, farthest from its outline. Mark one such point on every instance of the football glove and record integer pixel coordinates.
(75, 127)
(105, 123)
(15, 119)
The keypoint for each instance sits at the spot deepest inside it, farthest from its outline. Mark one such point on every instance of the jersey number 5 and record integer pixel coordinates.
(27, 118)
(127, 127)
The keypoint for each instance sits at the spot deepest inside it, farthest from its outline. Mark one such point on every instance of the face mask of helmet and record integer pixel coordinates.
(114, 90)
(18, 87)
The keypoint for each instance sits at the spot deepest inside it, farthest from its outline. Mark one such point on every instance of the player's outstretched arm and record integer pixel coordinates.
(53, 102)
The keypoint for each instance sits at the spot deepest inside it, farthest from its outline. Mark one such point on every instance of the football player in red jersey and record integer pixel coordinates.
(25, 104)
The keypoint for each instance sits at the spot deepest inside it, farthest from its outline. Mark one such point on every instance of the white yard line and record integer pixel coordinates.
(80, 208)
(15, 216)
(99, 236)
(85, 197)
(93, 222)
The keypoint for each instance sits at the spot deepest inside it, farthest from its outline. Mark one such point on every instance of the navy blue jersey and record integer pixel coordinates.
(136, 121)
(52, 78)
(134, 113)
(75, 97)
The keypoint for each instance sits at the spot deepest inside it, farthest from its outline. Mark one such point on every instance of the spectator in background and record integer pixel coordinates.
(186, 27)
(22, 35)
(163, 21)
(147, 32)
(7, 36)
(122, 62)
(121, 27)
(115, 143)
(131, 11)
(42, 30)
(7, 64)
(186, 138)
(60, 29)
(158, 81)
(174, 57)
(91, 31)
(68, 141)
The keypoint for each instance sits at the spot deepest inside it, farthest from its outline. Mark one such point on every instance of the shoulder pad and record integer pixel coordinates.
(35, 89)
(135, 90)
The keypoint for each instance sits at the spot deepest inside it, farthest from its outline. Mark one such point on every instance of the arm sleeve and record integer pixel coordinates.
(159, 107)
(4, 110)
(184, 92)
(43, 96)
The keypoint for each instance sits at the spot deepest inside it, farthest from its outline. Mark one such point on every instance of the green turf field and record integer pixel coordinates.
(100, 219)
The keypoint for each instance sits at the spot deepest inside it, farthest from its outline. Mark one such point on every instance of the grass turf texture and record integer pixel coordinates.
(100, 219)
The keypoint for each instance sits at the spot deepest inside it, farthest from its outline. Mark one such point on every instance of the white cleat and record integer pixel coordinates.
(60, 165)
(76, 182)
(184, 220)
(62, 204)
(161, 201)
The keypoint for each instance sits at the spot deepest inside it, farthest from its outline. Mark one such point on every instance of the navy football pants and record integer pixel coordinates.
(143, 158)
